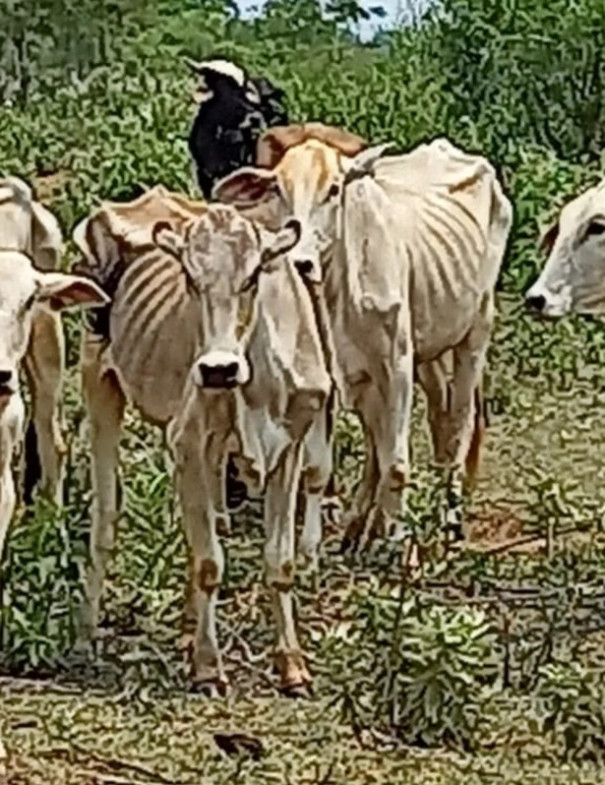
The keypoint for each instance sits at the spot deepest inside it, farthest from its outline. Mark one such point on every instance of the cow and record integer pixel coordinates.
(404, 252)
(212, 336)
(233, 110)
(572, 280)
(25, 293)
(30, 228)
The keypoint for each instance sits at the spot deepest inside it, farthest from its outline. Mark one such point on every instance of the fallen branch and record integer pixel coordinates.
(119, 764)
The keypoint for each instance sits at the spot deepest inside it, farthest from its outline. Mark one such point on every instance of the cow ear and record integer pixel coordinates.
(166, 238)
(246, 187)
(549, 237)
(47, 239)
(60, 290)
(276, 244)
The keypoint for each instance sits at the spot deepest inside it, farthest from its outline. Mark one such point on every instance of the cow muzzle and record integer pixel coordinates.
(541, 302)
(221, 371)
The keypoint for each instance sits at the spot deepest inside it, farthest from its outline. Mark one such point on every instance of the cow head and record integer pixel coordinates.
(23, 289)
(224, 255)
(573, 278)
(218, 75)
(308, 184)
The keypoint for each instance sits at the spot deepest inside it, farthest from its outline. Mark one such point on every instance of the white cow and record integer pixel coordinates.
(27, 226)
(408, 250)
(25, 293)
(573, 278)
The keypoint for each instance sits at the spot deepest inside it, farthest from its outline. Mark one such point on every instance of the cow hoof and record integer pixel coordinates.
(332, 510)
(300, 691)
(210, 688)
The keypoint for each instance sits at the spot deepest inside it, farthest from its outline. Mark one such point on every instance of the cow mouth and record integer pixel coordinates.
(6, 391)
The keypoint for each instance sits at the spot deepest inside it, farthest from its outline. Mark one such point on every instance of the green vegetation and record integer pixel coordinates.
(482, 665)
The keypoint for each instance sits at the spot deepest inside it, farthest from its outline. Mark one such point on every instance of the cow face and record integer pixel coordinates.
(24, 289)
(573, 278)
(309, 184)
(224, 255)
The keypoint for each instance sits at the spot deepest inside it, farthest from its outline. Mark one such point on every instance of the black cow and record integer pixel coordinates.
(234, 110)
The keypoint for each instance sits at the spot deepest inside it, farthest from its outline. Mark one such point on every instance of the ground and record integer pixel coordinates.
(130, 719)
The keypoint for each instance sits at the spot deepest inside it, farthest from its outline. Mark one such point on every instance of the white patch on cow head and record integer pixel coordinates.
(573, 278)
(224, 255)
(22, 290)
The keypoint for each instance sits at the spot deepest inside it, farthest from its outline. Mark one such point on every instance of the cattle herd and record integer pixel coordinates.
(319, 272)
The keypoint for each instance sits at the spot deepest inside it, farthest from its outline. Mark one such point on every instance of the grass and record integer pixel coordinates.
(129, 718)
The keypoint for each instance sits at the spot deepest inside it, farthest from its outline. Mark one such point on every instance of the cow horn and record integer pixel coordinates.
(364, 162)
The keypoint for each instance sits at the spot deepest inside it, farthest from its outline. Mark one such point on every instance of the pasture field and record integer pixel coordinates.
(484, 665)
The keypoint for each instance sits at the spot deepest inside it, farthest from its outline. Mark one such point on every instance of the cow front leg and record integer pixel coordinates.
(200, 481)
(11, 430)
(105, 404)
(44, 366)
(315, 478)
(280, 509)
(386, 409)
(357, 517)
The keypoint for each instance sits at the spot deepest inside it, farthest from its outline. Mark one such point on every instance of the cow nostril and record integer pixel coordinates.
(536, 302)
(218, 376)
(304, 266)
(6, 377)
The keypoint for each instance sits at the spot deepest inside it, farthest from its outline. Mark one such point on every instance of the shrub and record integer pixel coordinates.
(418, 672)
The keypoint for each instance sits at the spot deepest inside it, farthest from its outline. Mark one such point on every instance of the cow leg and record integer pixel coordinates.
(44, 365)
(455, 411)
(390, 422)
(200, 480)
(105, 402)
(357, 517)
(315, 478)
(280, 514)
(11, 429)
(386, 409)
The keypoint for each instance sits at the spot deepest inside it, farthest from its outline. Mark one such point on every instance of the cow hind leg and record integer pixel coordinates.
(105, 403)
(280, 511)
(45, 449)
(456, 417)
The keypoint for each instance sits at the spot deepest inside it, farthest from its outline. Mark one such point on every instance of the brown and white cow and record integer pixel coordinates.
(407, 249)
(212, 336)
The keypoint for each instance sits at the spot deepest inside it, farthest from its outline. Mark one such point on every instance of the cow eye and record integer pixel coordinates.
(333, 191)
(595, 229)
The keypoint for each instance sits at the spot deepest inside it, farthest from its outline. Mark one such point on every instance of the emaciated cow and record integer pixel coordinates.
(213, 338)
(407, 249)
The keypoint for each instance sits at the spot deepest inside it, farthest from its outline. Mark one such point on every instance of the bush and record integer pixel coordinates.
(570, 701)
(420, 673)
